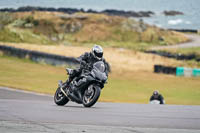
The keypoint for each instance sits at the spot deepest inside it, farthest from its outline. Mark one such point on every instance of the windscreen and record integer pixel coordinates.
(100, 66)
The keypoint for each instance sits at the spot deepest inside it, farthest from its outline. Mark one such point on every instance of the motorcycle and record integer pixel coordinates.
(88, 86)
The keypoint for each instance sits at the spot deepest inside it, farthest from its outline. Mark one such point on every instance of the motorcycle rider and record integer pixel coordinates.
(86, 62)
(157, 96)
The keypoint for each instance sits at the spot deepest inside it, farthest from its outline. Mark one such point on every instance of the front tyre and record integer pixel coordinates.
(91, 95)
(59, 98)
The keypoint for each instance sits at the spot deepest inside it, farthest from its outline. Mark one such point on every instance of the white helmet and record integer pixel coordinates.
(97, 52)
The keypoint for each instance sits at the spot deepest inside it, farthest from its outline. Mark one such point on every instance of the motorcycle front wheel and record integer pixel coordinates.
(59, 98)
(91, 95)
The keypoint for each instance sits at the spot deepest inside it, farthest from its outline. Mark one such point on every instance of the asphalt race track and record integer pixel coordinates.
(30, 112)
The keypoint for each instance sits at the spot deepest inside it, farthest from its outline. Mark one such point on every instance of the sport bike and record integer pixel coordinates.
(84, 89)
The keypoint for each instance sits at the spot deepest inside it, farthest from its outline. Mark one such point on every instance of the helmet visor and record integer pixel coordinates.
(99, 55)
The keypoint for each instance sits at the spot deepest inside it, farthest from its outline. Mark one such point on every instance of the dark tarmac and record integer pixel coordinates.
(22, 111)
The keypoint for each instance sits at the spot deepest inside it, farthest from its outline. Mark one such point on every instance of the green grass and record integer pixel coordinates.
(176, 90)
(10, 34)
(187, 51)
(7, 36)
(24, 74)
(195, 50)
(128, 45)
(135, 87)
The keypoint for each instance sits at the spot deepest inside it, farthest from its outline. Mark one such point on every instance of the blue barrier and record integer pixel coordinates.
(196, 72)
(179, 71)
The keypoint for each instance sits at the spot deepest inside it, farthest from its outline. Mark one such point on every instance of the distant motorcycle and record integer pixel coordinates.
(155, 102)
(88, 91)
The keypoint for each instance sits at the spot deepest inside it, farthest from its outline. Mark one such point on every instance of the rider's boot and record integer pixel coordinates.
(74, 86)
(77, 84)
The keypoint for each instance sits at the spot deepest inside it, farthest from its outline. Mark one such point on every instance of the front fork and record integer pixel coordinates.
(60, 84)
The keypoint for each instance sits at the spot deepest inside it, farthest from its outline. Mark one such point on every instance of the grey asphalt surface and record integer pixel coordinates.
(29, 112)
(195, 42)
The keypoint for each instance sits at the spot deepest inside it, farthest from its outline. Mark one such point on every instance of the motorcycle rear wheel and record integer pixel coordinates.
(59, 98)
(91, 95)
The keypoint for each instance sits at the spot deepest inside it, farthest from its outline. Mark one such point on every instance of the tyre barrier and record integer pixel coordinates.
(185, 30)
(36, 56)
(164, 69)
(42, 57)
(178, 71)
(175, 56)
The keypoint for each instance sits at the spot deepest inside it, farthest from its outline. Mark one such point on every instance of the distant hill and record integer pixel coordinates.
(43, 27)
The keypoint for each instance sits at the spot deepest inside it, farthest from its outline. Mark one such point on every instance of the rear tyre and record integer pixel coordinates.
(59, 98)
(91, 95)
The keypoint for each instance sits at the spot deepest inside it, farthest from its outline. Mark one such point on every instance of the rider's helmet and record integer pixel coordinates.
(97, 52)
(156, 93)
